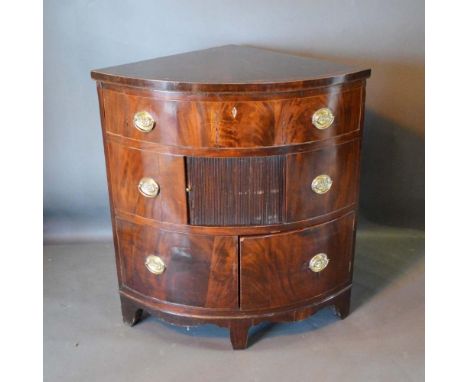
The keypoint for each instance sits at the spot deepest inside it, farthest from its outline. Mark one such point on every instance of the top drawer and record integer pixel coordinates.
(314, 116)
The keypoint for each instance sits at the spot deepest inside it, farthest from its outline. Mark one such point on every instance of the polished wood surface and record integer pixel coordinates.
(274, 269)
(230, 152)
(340, 162)
(230, 68)
(128, 166)
(279, 120)
(251, 191)
(135, 308)
(234, 152)
(246, 190)
(239, 230)
(201, 270)
(345, 102)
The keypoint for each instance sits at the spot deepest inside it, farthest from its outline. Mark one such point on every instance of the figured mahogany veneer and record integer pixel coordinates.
(238, 204)
(339, 162)
(201, 269)
(247, 191)
(234, 123)
(275, 270)
(129, 165)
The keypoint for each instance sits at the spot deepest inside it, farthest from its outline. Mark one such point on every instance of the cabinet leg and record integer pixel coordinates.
(239, 332)
(131, 313)
(342, 304)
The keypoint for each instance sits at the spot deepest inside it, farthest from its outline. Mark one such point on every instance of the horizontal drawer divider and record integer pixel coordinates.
(234, 230)
(234, 151)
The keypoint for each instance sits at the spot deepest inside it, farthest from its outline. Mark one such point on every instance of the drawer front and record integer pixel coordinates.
(243, 123)
(340, 107)
(274, 269)
(131, 174)
(176, 123)
(195, 270)
(195, 123)
(308, 176)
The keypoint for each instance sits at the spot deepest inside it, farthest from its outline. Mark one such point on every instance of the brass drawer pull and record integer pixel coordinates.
(321, 184)
(319, 262)
(155, 264)
(143, 121)
(148, 187)
(323, 118)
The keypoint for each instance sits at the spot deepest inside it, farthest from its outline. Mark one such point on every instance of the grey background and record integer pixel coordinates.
(388, 36)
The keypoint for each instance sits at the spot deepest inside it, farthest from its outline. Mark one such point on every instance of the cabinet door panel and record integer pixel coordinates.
(200, 270)
(274, 269)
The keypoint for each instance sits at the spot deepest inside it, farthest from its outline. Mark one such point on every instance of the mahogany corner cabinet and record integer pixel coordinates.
(233, 177)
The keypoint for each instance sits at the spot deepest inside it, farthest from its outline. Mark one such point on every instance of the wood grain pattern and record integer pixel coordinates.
(240, 230)
(205, 314)
(236, 191)
(200, 270)
(245, 123)
(231, 152)
(340, 162)
(135, 308)
(129, 165)
(234, 152)
(177, 123)
(274, 269)
(230, 68)
(108, 177)
(345, 104)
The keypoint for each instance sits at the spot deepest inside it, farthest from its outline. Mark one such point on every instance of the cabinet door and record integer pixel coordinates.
(321, 181)
(275, 270)
(195, 270)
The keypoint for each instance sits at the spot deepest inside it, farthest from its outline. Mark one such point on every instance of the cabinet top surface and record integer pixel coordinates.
(230, 68)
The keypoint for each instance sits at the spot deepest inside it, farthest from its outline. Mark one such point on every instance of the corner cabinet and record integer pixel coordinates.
(233, 178)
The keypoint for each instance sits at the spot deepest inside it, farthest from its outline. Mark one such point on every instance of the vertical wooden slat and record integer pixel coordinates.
(236, 191)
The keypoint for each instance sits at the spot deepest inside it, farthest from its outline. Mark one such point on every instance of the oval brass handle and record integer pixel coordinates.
(323, 118)
(321, 184)
(148, 187)
(319, 262)
(143, 121)
(155, 264)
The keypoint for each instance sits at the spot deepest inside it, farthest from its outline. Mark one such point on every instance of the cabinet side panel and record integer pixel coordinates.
(109, 183)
